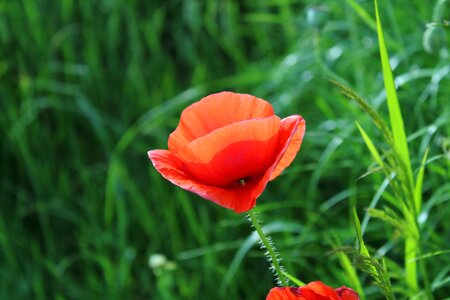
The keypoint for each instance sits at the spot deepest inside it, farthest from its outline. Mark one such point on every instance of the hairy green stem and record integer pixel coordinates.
(271, 254)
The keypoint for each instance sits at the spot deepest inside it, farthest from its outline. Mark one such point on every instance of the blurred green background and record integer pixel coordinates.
(88, 87)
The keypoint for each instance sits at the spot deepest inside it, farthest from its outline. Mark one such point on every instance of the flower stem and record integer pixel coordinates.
(272, 254)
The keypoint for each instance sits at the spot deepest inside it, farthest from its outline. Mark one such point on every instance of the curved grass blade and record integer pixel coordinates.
(362, 246)
(370, 145)
(419, 181)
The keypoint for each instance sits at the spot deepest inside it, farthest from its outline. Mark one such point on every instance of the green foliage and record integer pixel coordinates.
(395, 115)
(392, 218)
(87, 87)
(399, 163)
(373, 150)
(375, 268)
(362, 260)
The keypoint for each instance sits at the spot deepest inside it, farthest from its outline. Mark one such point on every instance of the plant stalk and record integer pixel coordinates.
(272, 254)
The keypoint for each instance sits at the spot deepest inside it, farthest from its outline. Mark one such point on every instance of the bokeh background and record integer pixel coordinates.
(88, 87)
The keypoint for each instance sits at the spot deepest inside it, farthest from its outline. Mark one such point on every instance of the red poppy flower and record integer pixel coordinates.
(313, 291)
(226, 148)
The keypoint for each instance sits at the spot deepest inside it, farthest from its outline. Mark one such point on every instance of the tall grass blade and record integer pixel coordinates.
(401, 149)
(398, 130)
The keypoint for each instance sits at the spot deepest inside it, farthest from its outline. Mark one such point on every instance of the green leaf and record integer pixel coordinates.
(391, 217)
(374, 268)
(432, 254)
(402, 156)
(398, 130)
(370, 145)
(363, 14)
(362, 247)
(350, 270)
(419, 181)
(295, 280)
(365, 106)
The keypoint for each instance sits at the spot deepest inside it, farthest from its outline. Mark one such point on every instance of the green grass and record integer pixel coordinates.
(87, 87)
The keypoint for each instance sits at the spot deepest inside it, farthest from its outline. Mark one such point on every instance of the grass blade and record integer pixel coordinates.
(362, 13)
(350, 271)
(362, 247)
(295, 280)
(365, 106)
(371, 265)
(370, 146)
(419, 181)
(398, 129)
(402, 152)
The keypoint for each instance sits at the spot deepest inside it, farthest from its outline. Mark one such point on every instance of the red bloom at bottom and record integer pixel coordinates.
(313, 291)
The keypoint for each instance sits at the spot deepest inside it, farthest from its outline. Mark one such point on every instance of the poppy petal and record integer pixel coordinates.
(239, 197)
(285, 293)
(292, 131)
(347, 293)
(216, 111)
(234, 152)
(318, 291)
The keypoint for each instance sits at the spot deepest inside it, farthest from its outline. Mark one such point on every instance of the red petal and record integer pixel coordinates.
(237, 151)
(313, 291)
(239, 198)
(318, 291)
(292, 131)
(216, 111)
(284, 293)
(347, 293)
